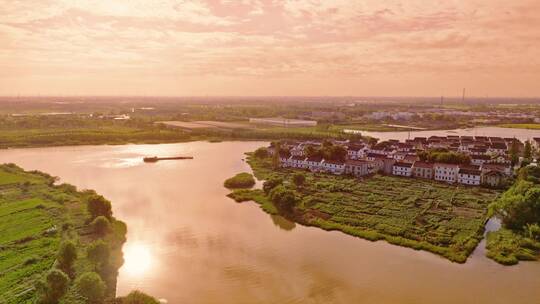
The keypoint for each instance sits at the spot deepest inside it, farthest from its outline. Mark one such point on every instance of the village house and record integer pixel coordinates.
(446, 172)
(356, 151)
(469, 176)
(402, 169)
(334, 167)
(297, 150)
(536, 143)
(357, 167)
(479, 160)
(423, 170)
(497, 148)
(375, 166)
(504, 169)
(297, 162)
(314, 163)
(492, 178)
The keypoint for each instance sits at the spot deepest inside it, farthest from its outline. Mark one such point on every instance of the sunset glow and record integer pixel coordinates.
(269, 47)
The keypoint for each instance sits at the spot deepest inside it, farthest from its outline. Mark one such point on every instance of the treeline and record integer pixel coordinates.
(444, 156)
(519, 210)
(328, 151)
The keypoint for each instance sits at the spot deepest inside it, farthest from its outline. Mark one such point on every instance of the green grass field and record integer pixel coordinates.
(35, 217)
(444, 219)
(531, 126)
(87, 136)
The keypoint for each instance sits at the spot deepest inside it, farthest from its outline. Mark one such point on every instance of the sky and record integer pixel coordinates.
(270, 47)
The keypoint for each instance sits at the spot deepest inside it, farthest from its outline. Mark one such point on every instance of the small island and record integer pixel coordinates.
(443, 218)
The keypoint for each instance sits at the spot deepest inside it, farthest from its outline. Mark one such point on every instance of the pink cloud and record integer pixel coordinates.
(242, 42)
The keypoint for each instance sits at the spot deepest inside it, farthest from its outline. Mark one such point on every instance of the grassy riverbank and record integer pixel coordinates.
(444, 219)
(112, 135)
(508, 248)
(36, 218)
(530, 126)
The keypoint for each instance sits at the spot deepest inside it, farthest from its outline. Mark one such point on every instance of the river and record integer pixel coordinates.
(189, 243)
(521, 134)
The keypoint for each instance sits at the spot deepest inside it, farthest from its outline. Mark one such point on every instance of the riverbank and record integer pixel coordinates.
(529, 126)
(447, 220)
(38, 218)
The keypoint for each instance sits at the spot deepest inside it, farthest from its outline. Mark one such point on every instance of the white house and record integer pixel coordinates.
(469, 176)
(334, 167)
(297, 162)
(446, 172)
(356, 152)
(479, 160)
(314, 163)
(402, 169)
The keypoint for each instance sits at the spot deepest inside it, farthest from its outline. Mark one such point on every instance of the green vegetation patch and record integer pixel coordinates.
(37, 220)
(240, 180)
(531, 126)
(444, 219)
(508, 248)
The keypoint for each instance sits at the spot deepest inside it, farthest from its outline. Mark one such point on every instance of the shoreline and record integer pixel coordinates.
(317, 217)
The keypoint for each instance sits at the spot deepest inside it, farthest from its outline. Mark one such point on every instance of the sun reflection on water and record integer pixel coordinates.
(138, 259)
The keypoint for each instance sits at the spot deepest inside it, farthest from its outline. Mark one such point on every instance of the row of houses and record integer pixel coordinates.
(487, 174)
(489, 167)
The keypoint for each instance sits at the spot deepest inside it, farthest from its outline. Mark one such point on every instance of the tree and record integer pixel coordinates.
(261, 153)
(97, 205)
(283, 198)
(523, 210)
(527, 151)
(514, 150)
(101, 225)
(91, 287)
(310, 151)
(137, 297)
(67, 256)
(275, 157)
(271, 184)
(98, 253)
(53, 287)
(299, 179)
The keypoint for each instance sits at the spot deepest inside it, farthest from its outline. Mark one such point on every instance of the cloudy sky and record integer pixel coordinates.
(270, 47)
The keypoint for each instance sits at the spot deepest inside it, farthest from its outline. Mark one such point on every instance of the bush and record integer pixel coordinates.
(101, 225)
(137, 297)
(91, 287)
(97, 205)
(241, 180)
(67, 255)
(53, 287)
(283, 198)
(261, 153)
(271, 184)
(299, 179)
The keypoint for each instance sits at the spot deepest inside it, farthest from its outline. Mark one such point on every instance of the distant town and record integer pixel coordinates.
(466, 160)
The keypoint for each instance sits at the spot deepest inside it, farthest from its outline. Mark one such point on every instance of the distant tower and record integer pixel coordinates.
(442, 101)
(463, 96)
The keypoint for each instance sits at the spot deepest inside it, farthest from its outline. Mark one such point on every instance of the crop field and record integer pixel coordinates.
(444, 219)
(35, 217)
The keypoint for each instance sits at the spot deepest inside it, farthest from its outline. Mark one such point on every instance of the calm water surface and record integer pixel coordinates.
(188, 243)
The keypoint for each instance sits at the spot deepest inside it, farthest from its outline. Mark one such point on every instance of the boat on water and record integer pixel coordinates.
(154, 159)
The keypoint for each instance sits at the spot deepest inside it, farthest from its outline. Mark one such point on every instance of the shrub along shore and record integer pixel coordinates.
(447, 220)
(58, 244)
